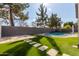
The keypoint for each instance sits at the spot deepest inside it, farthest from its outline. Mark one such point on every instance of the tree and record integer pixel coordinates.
(34, 24)
(54, 21)
(23, 17)
(69, 23)
(42, 16)
(15, 8)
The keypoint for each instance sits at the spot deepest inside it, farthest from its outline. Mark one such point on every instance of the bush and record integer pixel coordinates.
(67, 27)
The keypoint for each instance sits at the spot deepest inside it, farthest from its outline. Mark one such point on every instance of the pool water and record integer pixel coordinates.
(56, 34)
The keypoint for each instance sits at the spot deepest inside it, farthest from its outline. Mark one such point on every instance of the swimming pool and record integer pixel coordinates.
(57, 34)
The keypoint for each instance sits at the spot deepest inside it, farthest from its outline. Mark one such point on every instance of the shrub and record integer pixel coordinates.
(67, 27)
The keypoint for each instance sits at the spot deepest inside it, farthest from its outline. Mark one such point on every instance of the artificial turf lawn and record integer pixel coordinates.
(21, 48)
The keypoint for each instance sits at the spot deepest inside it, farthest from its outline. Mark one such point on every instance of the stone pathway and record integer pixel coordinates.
(74, 46)
(50, 52)
(37, 45)
(32, 43)
(43, 48)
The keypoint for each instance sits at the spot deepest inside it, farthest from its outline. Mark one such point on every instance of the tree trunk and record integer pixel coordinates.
(11, 17)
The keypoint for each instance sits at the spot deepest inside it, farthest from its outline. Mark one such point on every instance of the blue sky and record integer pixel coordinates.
(66, 11)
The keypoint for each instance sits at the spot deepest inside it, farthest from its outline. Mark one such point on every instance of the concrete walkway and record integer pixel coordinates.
(13, 39)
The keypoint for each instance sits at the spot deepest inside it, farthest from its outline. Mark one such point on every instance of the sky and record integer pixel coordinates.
(66, 11)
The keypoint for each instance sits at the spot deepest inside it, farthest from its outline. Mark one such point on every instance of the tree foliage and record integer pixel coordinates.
(16, 8)
(69, 23)
(42, 16)
(54, 21)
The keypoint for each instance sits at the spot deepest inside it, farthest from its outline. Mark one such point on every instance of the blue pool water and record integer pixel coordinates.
(56, 34)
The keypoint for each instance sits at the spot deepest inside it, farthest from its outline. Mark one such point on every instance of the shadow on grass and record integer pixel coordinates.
(43, 53)
(51, 40)
(37, 38)
(54, 44)
(21, 50)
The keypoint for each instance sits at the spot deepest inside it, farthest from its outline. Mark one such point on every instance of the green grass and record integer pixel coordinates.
(65, 45)
(76, 32)
(21, 48)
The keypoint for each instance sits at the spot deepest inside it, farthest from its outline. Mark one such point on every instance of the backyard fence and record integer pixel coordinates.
(17, 31)
(14, 31)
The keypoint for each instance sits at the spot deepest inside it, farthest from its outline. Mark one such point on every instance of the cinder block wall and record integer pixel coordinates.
(16, 31)
(13, 31)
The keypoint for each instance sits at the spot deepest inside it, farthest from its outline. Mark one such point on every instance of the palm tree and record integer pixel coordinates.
(15, 8)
